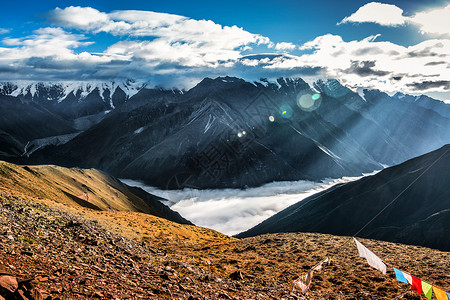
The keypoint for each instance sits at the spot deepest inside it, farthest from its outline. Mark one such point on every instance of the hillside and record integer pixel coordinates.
(55, 254)
(55, 248)
(419, 216)
(81, 188)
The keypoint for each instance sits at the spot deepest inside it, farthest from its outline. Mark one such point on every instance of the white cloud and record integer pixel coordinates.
(163, 37)
(85, 18)
(284, 46)
(376, 12)
(4, 31)
(44, 42)
(232, 211)
(368, 63)
(434, 21)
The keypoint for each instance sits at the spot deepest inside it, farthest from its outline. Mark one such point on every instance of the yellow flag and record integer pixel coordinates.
(440, 294)
(426, 288)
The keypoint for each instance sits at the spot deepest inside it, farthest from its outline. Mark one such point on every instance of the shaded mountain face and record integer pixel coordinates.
(41, 114)
(420, 215)
(227, 132)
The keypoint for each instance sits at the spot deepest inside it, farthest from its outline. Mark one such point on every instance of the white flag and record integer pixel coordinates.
(373, 260)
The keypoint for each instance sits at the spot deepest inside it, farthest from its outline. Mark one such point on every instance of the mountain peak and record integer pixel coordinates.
(58, 91)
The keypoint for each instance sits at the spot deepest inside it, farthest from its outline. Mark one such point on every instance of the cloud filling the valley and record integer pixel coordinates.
(232, 211)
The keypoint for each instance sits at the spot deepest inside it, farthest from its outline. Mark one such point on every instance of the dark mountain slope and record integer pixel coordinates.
(419, 216)
(227, 132)
(217, 135)
(21, 123)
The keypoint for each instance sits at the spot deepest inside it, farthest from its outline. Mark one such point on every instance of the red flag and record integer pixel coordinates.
(417, 284)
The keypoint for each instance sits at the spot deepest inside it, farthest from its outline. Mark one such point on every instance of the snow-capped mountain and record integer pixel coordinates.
(59, 91)
(228, 132)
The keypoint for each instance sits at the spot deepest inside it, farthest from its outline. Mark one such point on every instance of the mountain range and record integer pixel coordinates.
(410, 204)
(224, 132)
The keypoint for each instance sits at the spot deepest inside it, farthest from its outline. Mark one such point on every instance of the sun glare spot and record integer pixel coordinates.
(286, 111)
(309, 102)
(271, 118)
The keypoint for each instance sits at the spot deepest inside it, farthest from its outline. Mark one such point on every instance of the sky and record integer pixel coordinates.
(393, 46)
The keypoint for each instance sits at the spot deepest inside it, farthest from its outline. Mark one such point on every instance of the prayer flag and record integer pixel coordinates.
(426, 288)
(417, 284)
(440, 294)
(408, 277)
(399, 276)
(373, 260)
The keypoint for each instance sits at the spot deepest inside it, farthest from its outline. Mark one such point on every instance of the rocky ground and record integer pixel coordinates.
(53, 253)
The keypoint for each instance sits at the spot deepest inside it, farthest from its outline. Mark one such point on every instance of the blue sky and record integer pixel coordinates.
(389, 45)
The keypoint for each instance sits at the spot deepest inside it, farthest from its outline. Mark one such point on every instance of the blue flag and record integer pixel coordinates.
(399, 276)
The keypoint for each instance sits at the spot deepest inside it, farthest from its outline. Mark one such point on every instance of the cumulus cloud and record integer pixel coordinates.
(85, 18)
(284, 46)
(376, 12)
(374, 64)
(434, 21)
(49, 54)
(162, 37)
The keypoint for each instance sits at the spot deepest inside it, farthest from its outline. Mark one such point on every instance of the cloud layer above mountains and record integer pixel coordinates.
(169, 49)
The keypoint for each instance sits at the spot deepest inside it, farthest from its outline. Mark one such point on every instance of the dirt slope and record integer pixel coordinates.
(80, 188)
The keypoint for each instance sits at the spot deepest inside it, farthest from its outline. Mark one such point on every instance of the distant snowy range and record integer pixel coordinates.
(231, 211)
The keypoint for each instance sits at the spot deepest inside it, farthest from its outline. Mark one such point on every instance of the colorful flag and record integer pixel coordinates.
(399, 275)
(427, 290)
(440, 294)
(373, 260)
(408, 277)
(417, 284)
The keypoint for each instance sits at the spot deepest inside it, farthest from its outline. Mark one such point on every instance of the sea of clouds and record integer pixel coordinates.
(231, 211)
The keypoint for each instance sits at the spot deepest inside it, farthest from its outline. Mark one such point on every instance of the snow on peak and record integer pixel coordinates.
(58, 91)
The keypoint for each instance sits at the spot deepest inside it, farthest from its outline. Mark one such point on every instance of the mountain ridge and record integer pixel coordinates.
(252, 133)
(418, 216)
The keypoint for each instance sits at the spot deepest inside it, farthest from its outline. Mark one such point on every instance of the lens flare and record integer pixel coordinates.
(271, 118)
(308, 101)
(286, 111)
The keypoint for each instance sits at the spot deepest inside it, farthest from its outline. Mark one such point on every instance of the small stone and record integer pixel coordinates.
(9, 283)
